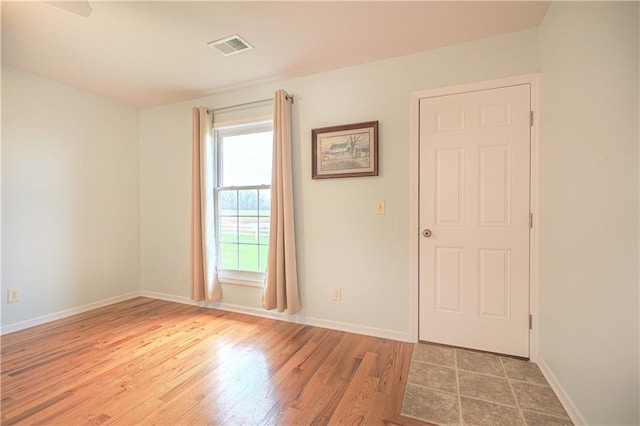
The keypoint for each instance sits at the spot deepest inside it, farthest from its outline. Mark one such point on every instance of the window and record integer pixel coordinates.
(243, 200)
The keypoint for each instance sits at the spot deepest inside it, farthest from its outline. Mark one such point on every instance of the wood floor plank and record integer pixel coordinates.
(358, 397)
(146, 361)
(397, 379)
(37, 408)
(324, 391)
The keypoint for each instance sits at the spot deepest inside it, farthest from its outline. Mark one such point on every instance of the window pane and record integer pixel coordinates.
(228, 201)
(264, 230)
(248, 227)
(246, 159)
(229, 256)
(228, 230)
(248, 257)
(248, 202)
(264, 202)
(264, 253)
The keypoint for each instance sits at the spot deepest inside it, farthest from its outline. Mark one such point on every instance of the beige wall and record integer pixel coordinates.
(589, 206)
(69, 197)
(341, 241)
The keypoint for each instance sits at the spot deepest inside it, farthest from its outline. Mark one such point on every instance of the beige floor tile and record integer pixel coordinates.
(479, 362)
(447, 386)
(480, 413)
(488, 388)
(430, 405)
(537, 419)
(434, 354)
(525, 371)
(433, 376)
(538, 398)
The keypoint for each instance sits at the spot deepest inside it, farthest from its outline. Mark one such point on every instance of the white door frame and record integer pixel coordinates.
(534, 81)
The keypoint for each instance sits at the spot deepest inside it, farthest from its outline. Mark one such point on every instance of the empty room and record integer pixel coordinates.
(295, 213)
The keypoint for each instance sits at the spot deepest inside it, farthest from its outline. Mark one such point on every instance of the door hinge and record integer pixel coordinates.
(530, 322)
(530, 220)
(530, 118)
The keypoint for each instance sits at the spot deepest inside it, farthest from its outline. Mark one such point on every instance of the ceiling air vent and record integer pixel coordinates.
(230, 45)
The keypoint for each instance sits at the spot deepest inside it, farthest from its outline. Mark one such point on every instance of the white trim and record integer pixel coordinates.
(563, 396)
(299, 319)
(534, 234)
(243, 278)
(414, 230)
(639, 218)
(10, 328)
(244, 126)
(169, 298)
(359, 329)
(248, 310)
(224, 125)
(515, 80)
(534, 81)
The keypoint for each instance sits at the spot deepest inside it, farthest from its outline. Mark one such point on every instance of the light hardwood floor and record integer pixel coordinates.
(147, 361)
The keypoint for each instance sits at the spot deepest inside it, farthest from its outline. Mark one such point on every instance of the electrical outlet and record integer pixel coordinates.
(183, 275)
(336, 294)
(13, 295)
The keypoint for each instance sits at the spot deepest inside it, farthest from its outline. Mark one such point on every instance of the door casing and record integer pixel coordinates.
(534, 81)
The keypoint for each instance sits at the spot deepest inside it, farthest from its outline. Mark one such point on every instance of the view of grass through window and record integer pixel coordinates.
(244, 228)
(244, 198)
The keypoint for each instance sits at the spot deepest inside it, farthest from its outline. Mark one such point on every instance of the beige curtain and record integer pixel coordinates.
(281, 282)
(204, 274)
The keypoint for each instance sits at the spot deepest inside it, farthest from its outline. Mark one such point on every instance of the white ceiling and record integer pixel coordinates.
(152, 53)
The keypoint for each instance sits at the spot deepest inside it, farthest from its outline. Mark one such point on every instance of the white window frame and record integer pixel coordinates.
(235, 276)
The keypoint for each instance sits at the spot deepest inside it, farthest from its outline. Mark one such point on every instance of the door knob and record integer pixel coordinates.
(426, 233)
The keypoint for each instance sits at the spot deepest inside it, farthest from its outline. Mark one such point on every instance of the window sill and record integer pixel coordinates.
(243, 278)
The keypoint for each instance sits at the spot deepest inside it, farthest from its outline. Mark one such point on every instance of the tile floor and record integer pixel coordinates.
(448, 386)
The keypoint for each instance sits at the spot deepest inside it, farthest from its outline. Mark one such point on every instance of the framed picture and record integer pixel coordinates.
(349, 150)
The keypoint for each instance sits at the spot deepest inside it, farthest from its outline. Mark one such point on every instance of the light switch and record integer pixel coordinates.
(336, 294)
(381, 207)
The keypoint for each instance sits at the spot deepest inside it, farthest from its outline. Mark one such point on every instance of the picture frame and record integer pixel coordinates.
(349, 150)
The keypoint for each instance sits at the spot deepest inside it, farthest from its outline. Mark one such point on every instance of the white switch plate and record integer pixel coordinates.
(381, 207)
(336, 294)
(183, 275)
(13, 295)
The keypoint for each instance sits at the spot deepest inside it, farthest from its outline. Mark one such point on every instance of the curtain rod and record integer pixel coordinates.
(259, 101)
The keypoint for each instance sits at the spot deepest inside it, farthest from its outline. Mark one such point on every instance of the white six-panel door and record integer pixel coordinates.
(474, 219)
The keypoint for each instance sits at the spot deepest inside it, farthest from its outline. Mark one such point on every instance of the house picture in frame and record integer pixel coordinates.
(348, 150)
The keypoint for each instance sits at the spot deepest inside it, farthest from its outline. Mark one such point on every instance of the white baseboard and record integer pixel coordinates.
(248, 310)
(359, 329)
(316, 322)
(562, 395)
(17, 326)
(169, 297)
